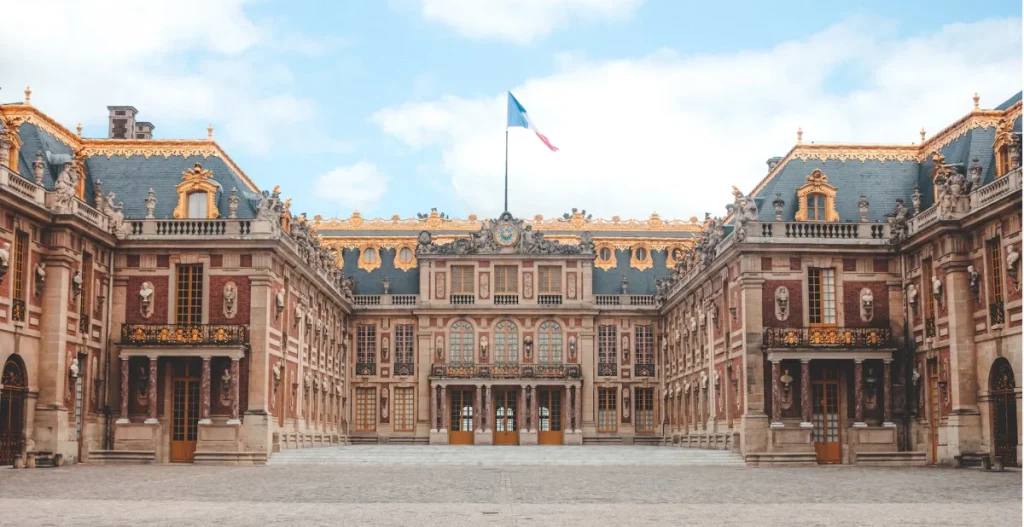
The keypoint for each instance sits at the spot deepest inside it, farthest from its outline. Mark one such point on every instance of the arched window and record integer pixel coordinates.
(460, 342)
(197, 205)
(815, 207)
(506, 342)
(549, 340)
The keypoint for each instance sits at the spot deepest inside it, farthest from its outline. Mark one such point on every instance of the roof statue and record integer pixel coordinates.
(505, 235)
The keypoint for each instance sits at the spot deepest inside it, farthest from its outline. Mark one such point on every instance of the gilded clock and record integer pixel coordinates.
(506, 235)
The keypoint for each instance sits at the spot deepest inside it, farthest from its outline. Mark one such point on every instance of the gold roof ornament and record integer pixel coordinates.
(976, 100)
(799, 135)
(28, 95)
(197, 180)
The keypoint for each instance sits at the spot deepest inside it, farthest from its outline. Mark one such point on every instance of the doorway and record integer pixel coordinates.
(1004, 412)
(461, 406)
(550, 420)
(506, 429)
(184, 411)
(825, 419)
(12, 410)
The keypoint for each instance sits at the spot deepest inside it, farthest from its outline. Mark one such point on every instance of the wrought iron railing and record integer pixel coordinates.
(643, 370)
(366, 368)
(607, 369)
(184, 334)
(404, 368)
(18, 310)
(815, 337)
(996, 313)
(929, 327)
(506, 371)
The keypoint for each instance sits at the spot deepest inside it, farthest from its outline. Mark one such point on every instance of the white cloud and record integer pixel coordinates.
(358, 187)
(520, 21)
(671, 133)
(180, 63)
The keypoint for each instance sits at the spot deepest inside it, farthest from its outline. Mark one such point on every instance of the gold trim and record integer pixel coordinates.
(601, 263)
(196, 179)
(670, 260)
(817, 183)
(405, 266)
(434, 222)
(637, 263)
(369, 267)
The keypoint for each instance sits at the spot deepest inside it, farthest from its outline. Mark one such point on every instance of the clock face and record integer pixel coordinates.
(505, 235)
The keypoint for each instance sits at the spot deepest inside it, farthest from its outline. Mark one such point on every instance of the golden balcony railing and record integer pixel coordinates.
(184, 334)
(826, 337)
(505, 371)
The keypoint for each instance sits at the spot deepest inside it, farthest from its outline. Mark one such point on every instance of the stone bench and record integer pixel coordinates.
(973, 459)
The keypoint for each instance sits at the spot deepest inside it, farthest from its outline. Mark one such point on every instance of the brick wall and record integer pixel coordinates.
(796, 303)
(851, 304)
(216, 300)
(133, 314)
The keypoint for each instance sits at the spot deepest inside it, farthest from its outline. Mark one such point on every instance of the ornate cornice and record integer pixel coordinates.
(434, 222)
(20, 113)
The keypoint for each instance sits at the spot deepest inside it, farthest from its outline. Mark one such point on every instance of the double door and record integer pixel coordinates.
(550, 415)
(506, 416)
(461, 414)
(825, 420)
(184, 413)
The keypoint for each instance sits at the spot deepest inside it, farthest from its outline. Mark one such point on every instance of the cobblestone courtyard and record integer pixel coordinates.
(420, 486)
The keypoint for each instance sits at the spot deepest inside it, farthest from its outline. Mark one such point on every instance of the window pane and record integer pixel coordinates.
(405, 255)
(197, 205)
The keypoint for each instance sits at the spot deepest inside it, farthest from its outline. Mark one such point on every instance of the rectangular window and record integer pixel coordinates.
(462, 279)
(366, 343)
(606, 342)
(86, 285)
(643, 409)
(549, 279)
(644, 344)
(190, 294)
(996, 264)
(816, 207)
(821, 295)
(366, 409)
(20, 261)
(506, 279)
(926, 276)
(403, 343)
(403, 409)
(607, 410)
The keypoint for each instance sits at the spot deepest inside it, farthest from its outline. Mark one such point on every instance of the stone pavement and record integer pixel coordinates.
(591, 486)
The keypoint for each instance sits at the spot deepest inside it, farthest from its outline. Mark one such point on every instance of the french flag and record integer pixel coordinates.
(517, 117)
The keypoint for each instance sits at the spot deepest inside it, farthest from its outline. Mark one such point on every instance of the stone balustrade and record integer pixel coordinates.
(21, 187)
(979, 198)
(384, 301)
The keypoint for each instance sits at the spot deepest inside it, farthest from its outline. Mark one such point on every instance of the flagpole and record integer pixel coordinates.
(506, 169)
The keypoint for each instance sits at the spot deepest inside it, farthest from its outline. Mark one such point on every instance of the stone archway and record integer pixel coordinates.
(1002, 385)
(14, 380)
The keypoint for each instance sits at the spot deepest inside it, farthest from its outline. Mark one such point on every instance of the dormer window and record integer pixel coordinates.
(197, 205)
(640, 259)
(369, 258)
(816, 199)
(605, 257)
(197, 194)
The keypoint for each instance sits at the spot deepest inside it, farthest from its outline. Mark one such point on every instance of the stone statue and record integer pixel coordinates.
(862, 205)
(225, 385)
(73, 368)
(625, 402)
(142, 383)
(233, 203)
(146, 299)
(781, 303)
(40, 277)
(778, 204)
(300, 314)
(150, 204)
(279, 303)
(386, 283)
(384, 403)
(912, 296)
(937, 289)
(867, 305)
(787, 388)
(230, 299)
(65, 188)
(624, 285)
(915, 199)
(115, 218)
(974, 282)
(1013, 265)
(743, 209)
(704, 381)
(76, 282)
(5, 259)
(898, 223)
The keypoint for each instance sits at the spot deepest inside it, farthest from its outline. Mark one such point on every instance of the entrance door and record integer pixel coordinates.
(933, 410)
(461, 431)
(1004, 412)
(184, 413)
(12, 411)
(825, 418)
(550, 431)
(506, 429)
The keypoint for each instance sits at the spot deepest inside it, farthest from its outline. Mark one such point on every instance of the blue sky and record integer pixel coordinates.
(393, 107)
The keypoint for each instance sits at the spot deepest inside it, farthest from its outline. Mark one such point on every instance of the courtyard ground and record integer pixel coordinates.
(522, 486)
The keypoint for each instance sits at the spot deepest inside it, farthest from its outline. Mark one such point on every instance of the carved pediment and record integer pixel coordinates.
(504, 235)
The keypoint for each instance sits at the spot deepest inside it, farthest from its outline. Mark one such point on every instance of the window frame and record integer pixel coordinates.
(405, 409)
(405, 347)
(461, 276)
(643, 409)
(643, 341)
(607, 342)
(21, 243)
(816, 208)
(821, 296)
(549, 343)
(458, 347)
(188, 289)
(366, 344)
(504, 276)
(366, 409)
(607, 410)
(549, 279)
(506, 338)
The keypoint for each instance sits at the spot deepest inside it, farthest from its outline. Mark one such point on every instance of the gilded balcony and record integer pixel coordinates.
(184, 334)
(459, 370)
(828, 337)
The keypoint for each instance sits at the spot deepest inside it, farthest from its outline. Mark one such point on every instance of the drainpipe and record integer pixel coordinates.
(108, 438)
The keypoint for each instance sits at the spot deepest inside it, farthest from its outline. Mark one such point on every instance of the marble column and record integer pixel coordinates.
(433, 408)
(123, 419)
(204, 394)
(858, 393)
(776, 397)
(579, 409)
(805, 393)
(151, 392)
(568, 409)
(478, 407)
(887, 394)
(487, 407)
(444, 408)
(235, 382)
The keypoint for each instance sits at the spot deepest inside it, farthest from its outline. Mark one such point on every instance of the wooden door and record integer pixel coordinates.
(461, 413)
(506, 425)
(825, 418)
(184, 414)
(12, 411)
(550, 416)
(933, 411)
(1002, 384)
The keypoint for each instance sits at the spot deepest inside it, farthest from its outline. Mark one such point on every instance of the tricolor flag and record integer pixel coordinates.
(517, 117)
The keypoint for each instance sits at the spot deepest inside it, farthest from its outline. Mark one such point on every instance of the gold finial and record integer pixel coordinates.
(976, 99)
(79, 128)
(209, 132)
(28, 94)
(799, 136)
(922, 134)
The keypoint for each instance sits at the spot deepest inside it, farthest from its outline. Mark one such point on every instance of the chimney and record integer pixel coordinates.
(773, 162)
(144, 130)
(122, 122)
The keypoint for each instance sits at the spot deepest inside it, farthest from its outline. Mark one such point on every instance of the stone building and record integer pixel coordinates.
(860, 305)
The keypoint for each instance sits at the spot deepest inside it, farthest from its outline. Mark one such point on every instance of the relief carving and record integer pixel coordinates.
(485, 285)
(867, 305)
(787, 389)
(230, 299)
(781, 303)
(146, 298)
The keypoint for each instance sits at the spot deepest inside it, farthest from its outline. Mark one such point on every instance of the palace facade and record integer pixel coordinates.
(860, 305)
